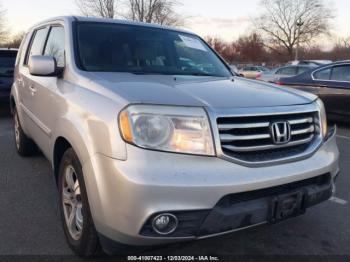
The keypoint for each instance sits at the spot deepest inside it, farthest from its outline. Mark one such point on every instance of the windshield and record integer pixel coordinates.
(7, 63)
(111, 47)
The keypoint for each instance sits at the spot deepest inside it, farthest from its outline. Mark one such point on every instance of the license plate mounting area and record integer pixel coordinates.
(286, 206)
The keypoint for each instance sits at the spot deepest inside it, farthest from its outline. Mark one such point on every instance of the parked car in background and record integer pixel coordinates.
(331, 83)
(7, 65)
(252, 71)
(310, 62)
(274, 75)
(153, 140)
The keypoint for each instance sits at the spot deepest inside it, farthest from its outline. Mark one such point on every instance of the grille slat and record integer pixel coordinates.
(228, 137)
(310, 129)
(243, 126)
(301, 121)
(267, 147)
(249, 138)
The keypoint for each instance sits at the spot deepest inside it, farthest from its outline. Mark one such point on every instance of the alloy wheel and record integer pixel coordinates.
(17, 131)
(72, 203)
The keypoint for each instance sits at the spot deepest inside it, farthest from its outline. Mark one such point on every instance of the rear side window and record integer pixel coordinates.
(324, 74)
(341, 73)
(288, 71)
(55, 45)
(37, 43)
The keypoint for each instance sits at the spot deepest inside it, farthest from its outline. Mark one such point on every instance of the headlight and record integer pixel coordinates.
(166, 128)
(322, 118)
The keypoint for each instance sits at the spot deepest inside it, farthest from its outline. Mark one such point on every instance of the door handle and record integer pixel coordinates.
(32, 90)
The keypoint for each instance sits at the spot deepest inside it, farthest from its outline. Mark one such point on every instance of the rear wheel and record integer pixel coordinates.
(75, 211)
(24, 145)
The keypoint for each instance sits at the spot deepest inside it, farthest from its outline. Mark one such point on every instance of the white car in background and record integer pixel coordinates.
(252, 71)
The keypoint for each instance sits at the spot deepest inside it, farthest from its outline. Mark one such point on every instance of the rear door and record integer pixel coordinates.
(315, 81)
(335, 91)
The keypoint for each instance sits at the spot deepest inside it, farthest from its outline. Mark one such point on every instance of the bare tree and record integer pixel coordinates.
(99, 8)
(251, 48)
(3, 25)
(16, 40)
(343, 43)
(154, 11)
(284, 23)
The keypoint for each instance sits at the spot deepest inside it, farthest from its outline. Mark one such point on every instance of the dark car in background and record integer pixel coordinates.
(331, 83)
(274, 75)
(7, 65)
(310, 62)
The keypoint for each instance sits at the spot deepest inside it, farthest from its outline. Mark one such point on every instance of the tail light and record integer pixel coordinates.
(258, 76)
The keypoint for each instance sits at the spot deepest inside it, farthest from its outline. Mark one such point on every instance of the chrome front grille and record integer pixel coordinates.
(249, 138)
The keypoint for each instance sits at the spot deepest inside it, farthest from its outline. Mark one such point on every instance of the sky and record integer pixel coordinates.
(227, 19)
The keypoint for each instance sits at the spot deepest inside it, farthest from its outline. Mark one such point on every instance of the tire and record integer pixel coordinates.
(24, 145)
(78, 225)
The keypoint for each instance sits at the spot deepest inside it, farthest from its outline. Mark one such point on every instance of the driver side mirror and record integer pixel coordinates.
(40, 65)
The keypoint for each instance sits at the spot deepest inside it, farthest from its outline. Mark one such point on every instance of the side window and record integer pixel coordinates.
(55, 45)
(341, 73)
(288, 71)
(324, 74)
(37, 43)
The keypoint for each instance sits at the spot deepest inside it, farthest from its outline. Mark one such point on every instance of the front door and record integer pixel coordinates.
(25, 83)
(46, 90)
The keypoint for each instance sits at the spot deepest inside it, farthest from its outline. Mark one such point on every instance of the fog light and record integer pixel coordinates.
(165, 224)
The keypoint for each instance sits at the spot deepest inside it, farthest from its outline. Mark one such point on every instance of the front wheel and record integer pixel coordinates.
(76, 216)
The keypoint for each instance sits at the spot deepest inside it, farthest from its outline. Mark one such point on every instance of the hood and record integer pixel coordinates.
(198, 91)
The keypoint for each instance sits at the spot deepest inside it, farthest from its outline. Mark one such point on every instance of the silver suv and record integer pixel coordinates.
(153, 140)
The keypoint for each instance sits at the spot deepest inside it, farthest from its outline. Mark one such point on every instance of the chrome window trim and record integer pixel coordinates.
(325, 80)
(215, 113)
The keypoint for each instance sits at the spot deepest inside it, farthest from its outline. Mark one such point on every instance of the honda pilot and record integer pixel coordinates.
(153, 140)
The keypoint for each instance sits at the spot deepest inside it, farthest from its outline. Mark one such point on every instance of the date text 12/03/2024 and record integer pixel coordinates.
(173, 258)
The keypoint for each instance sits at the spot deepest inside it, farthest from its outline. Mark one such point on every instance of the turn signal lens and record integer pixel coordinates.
(125, 126)
(322, 118)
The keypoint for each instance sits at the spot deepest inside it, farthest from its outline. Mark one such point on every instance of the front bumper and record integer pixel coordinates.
(124, 195)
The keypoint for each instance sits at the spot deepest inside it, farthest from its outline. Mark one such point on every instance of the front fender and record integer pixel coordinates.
(89, 135)
(75, 136)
